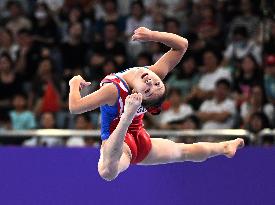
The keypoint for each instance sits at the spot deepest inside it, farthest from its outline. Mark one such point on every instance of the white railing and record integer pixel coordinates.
(199, 135)
(266, 133)
(225, 133)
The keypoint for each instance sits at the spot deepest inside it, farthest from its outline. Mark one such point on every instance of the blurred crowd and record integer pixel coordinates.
(225, 80)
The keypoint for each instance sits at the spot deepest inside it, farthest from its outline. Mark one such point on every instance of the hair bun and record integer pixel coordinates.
(154, 110)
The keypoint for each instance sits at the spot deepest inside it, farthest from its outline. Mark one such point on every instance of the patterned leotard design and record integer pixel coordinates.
(110, 115)
(137, 138)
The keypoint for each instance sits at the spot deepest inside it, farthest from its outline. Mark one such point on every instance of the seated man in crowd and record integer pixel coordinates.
(211, 73)
(218, 112)
(82, 122)
(176, 112)
(46, 121)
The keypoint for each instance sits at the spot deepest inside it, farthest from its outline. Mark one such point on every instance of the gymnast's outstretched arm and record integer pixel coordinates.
(170, 59)
(107, 94)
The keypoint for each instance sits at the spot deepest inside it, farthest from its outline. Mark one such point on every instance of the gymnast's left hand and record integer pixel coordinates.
(142, 34)
(79, 81)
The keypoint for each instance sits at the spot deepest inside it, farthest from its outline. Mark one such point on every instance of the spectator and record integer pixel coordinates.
(21, 118)
(256, 103)
(74, 50)
(111, 14)
(54, 5)
(7, 44)
(6, 125)
(28, 55)
(172, 25)
(170, 8)
(218, 113)
(211, 73)
(17, 19)
(176, 112)
(269, 44)
(226, 12)
(4, 4)
(109, 67)
(208, 28)
(191, 122)
(248, 76)
(241, 46)
(157, 18)
(197, 46)
(82, 122)
(45, 94)
(47, 121)
(137, 18)
(247, 18)
(144, 59)
(10, 83)
(269, 83)
(186, 76)
(111, 46)
(93, 71)
(155, 50)
(257, 122)
(76, 15)
(269, 79)
(45, 31)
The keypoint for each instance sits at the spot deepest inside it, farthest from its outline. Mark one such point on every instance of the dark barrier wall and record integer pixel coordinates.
(69, 176)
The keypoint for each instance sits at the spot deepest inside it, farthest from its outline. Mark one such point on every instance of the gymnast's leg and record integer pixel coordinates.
(115, 155)
(109, 167)
(166, 151)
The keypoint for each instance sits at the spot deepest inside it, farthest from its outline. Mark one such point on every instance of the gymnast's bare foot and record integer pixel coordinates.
(230, 147)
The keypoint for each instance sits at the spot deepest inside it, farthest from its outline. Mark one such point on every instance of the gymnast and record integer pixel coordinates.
(123, 99)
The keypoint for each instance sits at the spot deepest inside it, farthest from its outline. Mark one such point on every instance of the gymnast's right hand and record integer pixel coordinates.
(132, 103)
(78, 81)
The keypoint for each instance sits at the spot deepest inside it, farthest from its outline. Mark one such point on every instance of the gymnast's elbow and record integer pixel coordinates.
(74, 109)
(79, 108)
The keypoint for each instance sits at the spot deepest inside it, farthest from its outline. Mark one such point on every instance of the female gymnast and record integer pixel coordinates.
(123, 99)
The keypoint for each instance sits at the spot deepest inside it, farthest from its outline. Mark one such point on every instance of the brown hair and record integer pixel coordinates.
(154, 106)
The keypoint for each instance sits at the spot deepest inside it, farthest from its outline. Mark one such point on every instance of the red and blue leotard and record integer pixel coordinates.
(136, 137)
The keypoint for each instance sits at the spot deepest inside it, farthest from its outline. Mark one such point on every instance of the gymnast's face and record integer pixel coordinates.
(148, 84)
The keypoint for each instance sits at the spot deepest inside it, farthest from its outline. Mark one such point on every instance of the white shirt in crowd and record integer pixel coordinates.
(208, 80)
(170, 115)
(135, 47)
(45, 141)
(54, 5)
(132, 24)
(242, 51)
(268, 110)
(227, 105)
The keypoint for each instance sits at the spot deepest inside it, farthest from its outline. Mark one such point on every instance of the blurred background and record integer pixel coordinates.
(226, 80)
(223, 88)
